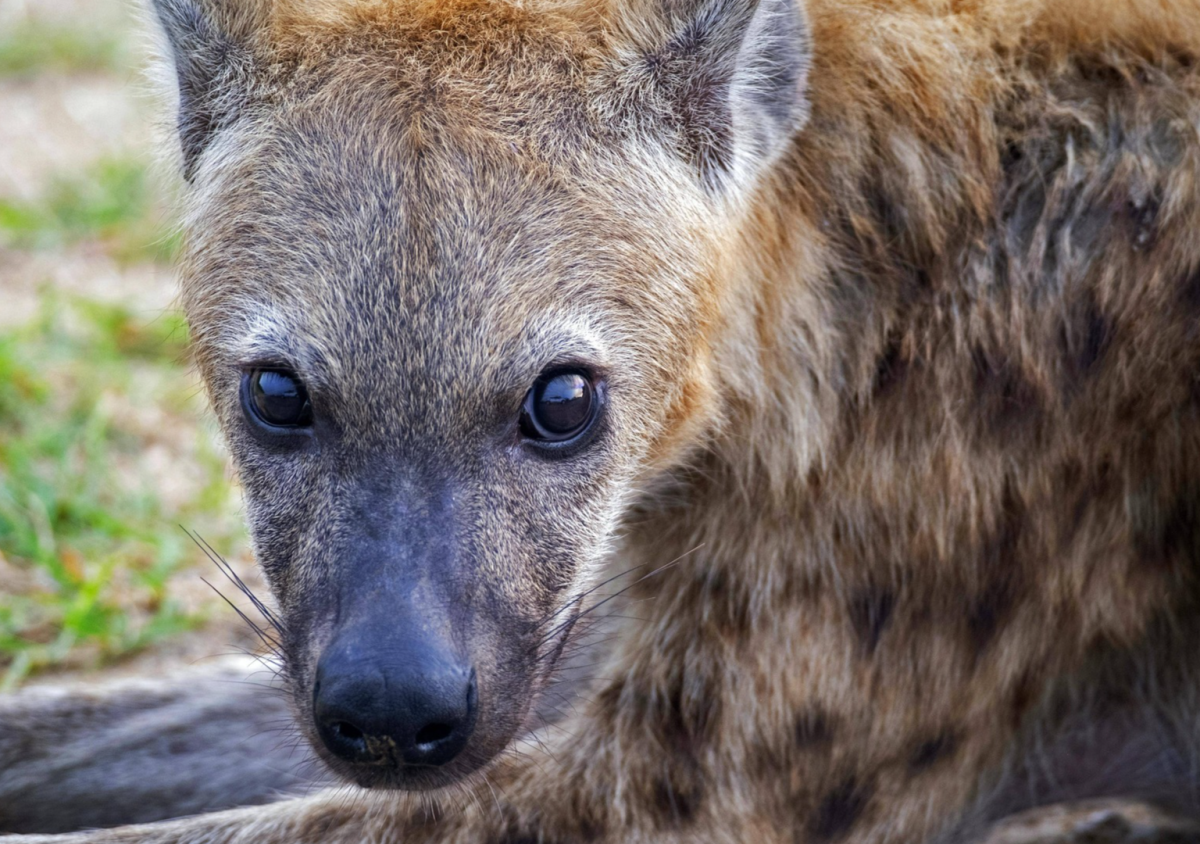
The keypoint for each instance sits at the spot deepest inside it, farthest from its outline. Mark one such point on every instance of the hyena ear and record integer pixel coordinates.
(729, 77)
(207, 47)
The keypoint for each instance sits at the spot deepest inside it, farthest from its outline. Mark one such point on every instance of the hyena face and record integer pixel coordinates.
(453, 278)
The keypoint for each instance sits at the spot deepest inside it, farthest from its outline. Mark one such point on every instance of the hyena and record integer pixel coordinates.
(855, 343)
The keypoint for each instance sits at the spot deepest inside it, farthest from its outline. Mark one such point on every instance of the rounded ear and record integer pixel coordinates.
(208, 50)
(729, 78)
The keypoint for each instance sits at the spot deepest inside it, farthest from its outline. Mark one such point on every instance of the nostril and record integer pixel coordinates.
(433, 733)
(384, 716)
(347, 731)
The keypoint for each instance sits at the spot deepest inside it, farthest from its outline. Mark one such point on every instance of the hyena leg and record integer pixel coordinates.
(135, 751)
(1107, 821)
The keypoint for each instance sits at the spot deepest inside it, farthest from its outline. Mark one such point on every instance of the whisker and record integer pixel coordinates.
(557, 628)
(587, 592)
(226, 569)
(270, 640)
(267, 640)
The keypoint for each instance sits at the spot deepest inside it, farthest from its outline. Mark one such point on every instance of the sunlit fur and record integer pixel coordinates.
(905, 400)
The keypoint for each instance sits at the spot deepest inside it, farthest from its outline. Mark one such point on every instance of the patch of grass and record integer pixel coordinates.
(30, 47)
(87, 544)
(115, 202)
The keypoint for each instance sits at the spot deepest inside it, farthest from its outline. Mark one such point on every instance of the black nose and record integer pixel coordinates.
(409, 708)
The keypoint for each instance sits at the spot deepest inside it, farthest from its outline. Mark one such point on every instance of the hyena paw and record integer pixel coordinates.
(1096, 822)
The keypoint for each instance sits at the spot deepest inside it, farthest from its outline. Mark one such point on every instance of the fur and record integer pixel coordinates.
(899, 304)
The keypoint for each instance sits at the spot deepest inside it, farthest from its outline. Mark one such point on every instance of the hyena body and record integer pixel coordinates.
(886, 317)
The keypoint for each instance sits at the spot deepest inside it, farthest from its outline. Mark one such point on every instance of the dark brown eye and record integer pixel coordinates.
(561, 406)
(277, 398)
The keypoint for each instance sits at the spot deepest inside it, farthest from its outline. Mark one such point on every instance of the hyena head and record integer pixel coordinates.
(454, 275)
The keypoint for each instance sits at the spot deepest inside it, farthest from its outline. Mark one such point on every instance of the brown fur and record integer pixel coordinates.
(917, 419)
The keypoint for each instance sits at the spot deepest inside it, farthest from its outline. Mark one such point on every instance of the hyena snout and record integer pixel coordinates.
(414, 706)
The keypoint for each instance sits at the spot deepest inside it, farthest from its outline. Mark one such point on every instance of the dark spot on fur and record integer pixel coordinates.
(816, 482)
(870, 611)
(988, 612)
(992, 607)
(1011, 157)
(890, 370)
(812, 729)
(1170, 535)
(677, 806)
(1181, 531)
(723, 606)
(1000, 550)
(930, 752)
(609, 698)
(890, 216)
(590, 830)
(1142, 214)
(1189, 292)
(1086, 337)
(839, 810)
(682, 722)
(1008, 400)
(1023, 698)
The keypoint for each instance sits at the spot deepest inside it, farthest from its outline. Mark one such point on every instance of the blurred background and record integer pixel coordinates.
(106, 451)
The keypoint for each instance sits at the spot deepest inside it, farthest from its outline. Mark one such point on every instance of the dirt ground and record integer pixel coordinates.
(59, 121)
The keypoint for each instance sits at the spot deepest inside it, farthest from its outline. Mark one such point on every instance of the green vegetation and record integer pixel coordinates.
(31, 47)
(102, 453)
(114, 202)
(86, 544)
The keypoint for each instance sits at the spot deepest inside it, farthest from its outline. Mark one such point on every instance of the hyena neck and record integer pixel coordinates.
(857, 233)
(938, 439)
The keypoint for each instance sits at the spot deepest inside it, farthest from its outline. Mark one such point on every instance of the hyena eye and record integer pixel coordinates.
(276, 398)
(561, 407)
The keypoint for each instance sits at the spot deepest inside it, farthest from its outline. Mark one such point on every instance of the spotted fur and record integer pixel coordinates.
(900, 302)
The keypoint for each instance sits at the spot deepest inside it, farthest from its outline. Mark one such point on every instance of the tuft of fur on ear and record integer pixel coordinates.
(729, 78)
(212, 67)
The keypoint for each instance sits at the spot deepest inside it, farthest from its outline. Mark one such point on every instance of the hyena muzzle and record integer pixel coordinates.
(855, 339)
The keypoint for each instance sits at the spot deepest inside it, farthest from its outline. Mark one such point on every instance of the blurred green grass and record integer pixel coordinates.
(114, 202)
(89, 536)
(29, 47)
(102, 452)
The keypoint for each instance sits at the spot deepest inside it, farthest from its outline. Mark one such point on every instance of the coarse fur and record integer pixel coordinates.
(898, 306)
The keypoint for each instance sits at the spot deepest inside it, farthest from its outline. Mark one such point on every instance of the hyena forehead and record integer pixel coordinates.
(388, 230)
(421, 186)
(360, 244)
